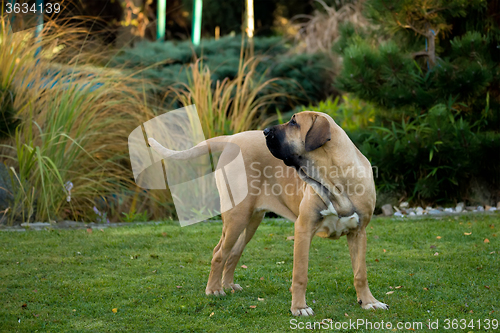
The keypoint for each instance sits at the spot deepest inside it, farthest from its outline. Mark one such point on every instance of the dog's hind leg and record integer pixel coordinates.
(235, 255)
(234, 222)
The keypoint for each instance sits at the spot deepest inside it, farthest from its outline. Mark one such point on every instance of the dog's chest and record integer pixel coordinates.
(333, 227)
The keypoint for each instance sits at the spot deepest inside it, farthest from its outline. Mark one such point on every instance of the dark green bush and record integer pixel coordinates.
(434, 157)
(438, 122)
(305, 78)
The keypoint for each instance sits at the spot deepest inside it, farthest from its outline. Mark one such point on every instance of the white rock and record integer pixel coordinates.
(398, 214)
(412, 214)
(480, 208)
(35, 224)
(419, 210)
(428, 208)
(460, 207)
(492, 209)
(404, 204)
(387, 210)
(449, 210)
(434, 211)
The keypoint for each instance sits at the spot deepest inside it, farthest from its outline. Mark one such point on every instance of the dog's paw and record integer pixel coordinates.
(215, 292)
(233, 286)
(375, 306)
(307, 311)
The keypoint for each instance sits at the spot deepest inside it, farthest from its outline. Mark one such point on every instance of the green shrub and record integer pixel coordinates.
(303, 78)
(433, 157)
(351, 114)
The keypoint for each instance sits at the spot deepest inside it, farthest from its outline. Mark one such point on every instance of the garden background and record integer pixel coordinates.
(413, 83)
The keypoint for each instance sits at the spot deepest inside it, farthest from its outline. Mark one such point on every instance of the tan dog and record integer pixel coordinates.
(311, 173)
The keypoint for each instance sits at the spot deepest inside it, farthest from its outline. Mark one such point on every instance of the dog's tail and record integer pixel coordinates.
(214, 144)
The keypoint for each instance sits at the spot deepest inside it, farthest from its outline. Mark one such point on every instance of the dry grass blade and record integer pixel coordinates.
(231, 105)
(73, 126)
(321, 29)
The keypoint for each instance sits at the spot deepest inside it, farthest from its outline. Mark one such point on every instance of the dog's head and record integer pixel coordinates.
(295, 142)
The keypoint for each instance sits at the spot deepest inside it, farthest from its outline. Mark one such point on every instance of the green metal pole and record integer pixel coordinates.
(196, 36)
(161, 14)
(39, 26)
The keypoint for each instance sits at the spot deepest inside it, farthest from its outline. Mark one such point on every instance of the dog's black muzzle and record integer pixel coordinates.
(275, 141)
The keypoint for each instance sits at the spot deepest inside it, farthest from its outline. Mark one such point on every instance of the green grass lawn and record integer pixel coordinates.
(155, 276)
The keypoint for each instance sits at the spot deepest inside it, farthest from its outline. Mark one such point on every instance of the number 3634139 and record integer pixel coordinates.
(26, 8)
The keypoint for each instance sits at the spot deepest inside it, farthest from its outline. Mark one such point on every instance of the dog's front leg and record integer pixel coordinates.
(357, 250)
(303, 236)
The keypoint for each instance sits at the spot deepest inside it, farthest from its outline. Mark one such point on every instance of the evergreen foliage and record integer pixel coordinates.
(304, 78)
(432, 67)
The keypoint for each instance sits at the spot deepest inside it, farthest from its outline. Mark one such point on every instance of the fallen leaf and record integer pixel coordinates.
(411, 274)
(471, 311)
(24, 305)
(436, 254)
(377, 260)
(492, 252)
(433, 246)
(232, 291)
(212, 314)
(74, 310)
(426, 289)
(262, 278)
(253, 306)
(494, 235)
(89, 230)
(115, 310)
(290, 238)
(389, 292)
(492, 226)
(399, 287)
(467, 233)
(438, 237)
(491, 312)
(35, 291)
(179, 287)
(487, 287)
(164, 234)
(35, 315)
(345, 314)
(260, 299)
(101, 230)
(385, 250)
(486, 240)
(154, 271)
(154, 256)
(244, 266)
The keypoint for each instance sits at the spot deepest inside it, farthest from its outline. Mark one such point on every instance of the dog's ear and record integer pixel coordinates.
(318, 134)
